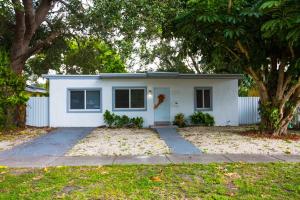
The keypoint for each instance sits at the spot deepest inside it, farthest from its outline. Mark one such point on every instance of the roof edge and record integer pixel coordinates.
(148, 75)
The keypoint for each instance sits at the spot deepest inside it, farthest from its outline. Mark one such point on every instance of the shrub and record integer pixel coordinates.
(13, 97)
(109, 118)
(179, 120)
(137, 122)
(121, 121)
(118, 121)
(202, 119)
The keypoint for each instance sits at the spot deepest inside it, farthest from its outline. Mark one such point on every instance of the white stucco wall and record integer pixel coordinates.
(225, 99)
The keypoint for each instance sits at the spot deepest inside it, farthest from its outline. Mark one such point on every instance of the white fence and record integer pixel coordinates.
(37, 110)
(248, 110)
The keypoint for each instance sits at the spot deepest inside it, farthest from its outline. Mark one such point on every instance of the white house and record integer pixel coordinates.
(80, 100)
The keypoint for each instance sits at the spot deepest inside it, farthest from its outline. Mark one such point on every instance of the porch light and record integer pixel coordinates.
(149, 93)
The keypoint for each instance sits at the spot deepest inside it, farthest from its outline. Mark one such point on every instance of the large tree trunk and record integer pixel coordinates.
(27, 20)
(277, 106)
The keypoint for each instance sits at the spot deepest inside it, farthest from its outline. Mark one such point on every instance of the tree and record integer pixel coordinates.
(29, 26)
(92, 56)
(261, 37)
(134, 29)
(12, 95)
(81, 55)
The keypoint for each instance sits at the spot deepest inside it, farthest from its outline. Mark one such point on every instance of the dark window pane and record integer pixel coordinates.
(199, 98)
(137, 98)
(92, 99)
(207, 99)
(77, 99)
(121, 98)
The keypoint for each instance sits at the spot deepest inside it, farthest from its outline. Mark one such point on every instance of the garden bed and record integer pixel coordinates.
(120, 141)
(11, 138)
(233, 140)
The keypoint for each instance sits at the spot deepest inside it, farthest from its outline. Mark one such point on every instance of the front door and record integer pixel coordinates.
(161, 105)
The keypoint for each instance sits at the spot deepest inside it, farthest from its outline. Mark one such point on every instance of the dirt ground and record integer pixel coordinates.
(9, 139)
(120, 141)
(230, 140)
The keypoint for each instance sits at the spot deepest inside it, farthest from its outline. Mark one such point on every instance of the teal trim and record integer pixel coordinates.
(162, 114)
(129, 109)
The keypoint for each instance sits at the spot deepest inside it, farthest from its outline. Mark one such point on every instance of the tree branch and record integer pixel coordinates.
(280, 80)
(42, 11)
(262, 87)
(196, 67)
(243, 49)
(20, 20)
(291, 91)
(286, 83)
(29, 20)
(42, 44)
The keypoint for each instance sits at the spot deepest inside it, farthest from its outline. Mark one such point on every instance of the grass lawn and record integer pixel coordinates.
(196, 181)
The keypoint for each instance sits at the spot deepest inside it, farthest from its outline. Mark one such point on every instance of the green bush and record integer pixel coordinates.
(121, 121)
(204, 119)
(109, 118)
(137, 122)
(179, 120)
(13, 97)
(113, 120)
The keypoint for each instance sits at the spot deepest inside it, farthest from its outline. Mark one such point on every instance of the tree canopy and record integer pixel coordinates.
(77, 56)
(261, 37)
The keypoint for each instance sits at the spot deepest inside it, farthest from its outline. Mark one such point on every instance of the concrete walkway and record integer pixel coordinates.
(176, 143)
(48, 161)
(54, 144)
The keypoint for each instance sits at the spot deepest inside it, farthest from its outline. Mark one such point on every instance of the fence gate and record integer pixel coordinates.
(37, 111)
(248, 110)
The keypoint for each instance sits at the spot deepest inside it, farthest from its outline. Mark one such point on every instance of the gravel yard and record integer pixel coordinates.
(15, 137)
(122, 141)
(221, 140)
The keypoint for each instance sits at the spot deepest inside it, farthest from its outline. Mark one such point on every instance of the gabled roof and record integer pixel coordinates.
(149, 75)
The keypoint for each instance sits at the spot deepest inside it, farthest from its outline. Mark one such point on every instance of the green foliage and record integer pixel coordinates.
(137, 122)
(12, 94)
(80, 56)
(249, 36)
(121, 121)
(180, 120)
(113, 120)
(109, 118)
(92, 56)
(202, 119)
(246, 85)
(270, 116)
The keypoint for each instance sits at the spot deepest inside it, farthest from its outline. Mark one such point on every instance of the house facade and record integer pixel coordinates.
(81, 100)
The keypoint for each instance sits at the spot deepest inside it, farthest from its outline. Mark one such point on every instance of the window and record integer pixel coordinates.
(129, 98)
(203, 98)
(84, 100)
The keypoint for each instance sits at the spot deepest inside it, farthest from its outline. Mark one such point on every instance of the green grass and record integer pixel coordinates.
(213, 181)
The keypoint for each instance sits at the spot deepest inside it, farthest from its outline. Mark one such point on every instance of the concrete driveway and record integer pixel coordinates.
(53, 144)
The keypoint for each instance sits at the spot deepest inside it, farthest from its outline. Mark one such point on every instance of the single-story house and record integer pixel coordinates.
(81, 100)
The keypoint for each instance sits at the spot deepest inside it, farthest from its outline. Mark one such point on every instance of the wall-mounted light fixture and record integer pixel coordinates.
(149, 93)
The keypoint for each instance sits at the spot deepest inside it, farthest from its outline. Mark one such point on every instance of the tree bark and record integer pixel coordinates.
(284, 96)
(27, 21)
